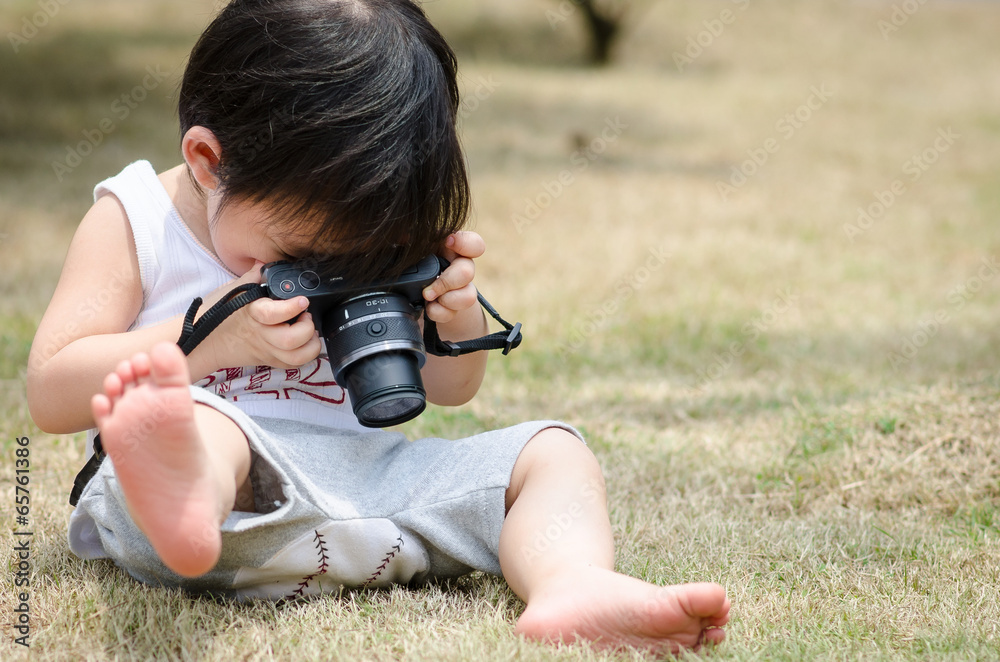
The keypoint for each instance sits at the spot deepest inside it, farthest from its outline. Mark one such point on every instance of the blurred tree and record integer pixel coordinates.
(603, 19)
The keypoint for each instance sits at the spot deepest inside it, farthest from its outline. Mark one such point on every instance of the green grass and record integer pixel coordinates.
(849, 504)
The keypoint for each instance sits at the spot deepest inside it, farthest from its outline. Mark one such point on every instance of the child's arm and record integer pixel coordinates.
(454, 306)
(83, 335)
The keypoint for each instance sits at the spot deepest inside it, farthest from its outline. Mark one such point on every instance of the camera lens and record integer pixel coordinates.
(388, 389)
(376, 352)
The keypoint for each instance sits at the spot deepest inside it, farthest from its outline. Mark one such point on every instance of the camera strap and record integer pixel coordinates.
(194, 333)
(191, 335)
(505, 340)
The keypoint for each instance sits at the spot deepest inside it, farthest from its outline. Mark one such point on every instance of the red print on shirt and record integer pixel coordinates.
(258, 378)
(285, 384)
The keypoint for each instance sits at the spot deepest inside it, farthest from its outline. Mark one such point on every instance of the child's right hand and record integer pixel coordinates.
(259, 334)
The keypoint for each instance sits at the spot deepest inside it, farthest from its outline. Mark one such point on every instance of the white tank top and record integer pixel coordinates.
(175, 268)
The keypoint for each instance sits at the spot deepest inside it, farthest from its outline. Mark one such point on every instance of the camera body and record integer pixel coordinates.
(372, 334)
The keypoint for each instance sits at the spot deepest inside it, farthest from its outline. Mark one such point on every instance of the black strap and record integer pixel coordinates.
(193, 333)
(88, 471)
(505, 340)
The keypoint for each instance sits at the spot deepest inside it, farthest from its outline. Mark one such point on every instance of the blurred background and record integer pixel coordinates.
(694, 205)
(734, 146)
(754, 246)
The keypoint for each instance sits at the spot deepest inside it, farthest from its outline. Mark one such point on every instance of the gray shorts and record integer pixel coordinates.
(334, 508)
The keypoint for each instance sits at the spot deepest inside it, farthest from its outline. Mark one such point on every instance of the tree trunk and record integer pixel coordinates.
(603, 31)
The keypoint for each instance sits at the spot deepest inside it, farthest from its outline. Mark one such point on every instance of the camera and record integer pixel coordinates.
(372, 334)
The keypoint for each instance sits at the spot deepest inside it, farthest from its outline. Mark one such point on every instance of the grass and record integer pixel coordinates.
(741, 393)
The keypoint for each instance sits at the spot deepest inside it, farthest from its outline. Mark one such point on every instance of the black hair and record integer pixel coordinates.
(340, 116)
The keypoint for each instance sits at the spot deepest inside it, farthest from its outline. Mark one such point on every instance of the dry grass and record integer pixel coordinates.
(742, 395)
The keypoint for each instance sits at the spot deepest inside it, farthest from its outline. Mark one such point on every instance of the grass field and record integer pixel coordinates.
(756, 263)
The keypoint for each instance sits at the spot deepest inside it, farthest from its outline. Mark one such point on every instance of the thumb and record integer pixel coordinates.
(275, 311)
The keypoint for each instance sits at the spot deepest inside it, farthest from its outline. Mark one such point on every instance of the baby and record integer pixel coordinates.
(321, 129)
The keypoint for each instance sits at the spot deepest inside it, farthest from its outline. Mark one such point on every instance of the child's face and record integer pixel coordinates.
(244, 233)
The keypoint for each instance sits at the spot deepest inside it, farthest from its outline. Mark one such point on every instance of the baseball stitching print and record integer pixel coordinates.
(385, 562)
(320, 570)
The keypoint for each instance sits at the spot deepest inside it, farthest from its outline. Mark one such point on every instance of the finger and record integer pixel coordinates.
(464, 243)
(439, 313)
(290, 337)
(455, 277)
(301, 355)
(460, 299)
(271, 311)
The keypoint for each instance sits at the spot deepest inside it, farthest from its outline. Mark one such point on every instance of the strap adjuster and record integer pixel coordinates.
(512, 337)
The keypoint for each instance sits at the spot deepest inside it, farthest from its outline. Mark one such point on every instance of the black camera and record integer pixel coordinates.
(372, 334)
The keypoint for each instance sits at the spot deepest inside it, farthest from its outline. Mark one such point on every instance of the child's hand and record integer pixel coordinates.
(259, 334)
(453, 291)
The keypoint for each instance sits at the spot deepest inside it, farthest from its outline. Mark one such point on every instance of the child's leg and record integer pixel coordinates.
(181, 467)
(557, 554)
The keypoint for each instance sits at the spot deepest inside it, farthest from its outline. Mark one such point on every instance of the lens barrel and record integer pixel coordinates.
(376, 352)
(385, 389)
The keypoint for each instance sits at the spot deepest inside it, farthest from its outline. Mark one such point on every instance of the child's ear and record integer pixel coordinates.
(202, 151)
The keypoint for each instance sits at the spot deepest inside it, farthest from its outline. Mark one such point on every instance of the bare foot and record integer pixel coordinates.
(147, 423)
(614, 610)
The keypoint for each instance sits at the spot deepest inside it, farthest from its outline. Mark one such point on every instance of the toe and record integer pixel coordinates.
(125, 374)
(100, 407)
(168, 366)
(705, 600)
(140, 367)
(714, 636)
(113, 387)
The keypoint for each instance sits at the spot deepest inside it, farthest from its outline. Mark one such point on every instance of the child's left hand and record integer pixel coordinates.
(453, 291)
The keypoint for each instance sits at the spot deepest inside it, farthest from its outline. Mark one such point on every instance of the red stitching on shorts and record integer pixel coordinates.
(385, 562)
(321, 569)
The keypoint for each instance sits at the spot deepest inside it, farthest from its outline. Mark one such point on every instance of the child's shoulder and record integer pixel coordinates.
(105, 219)
(137, 189)
(103, 244)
